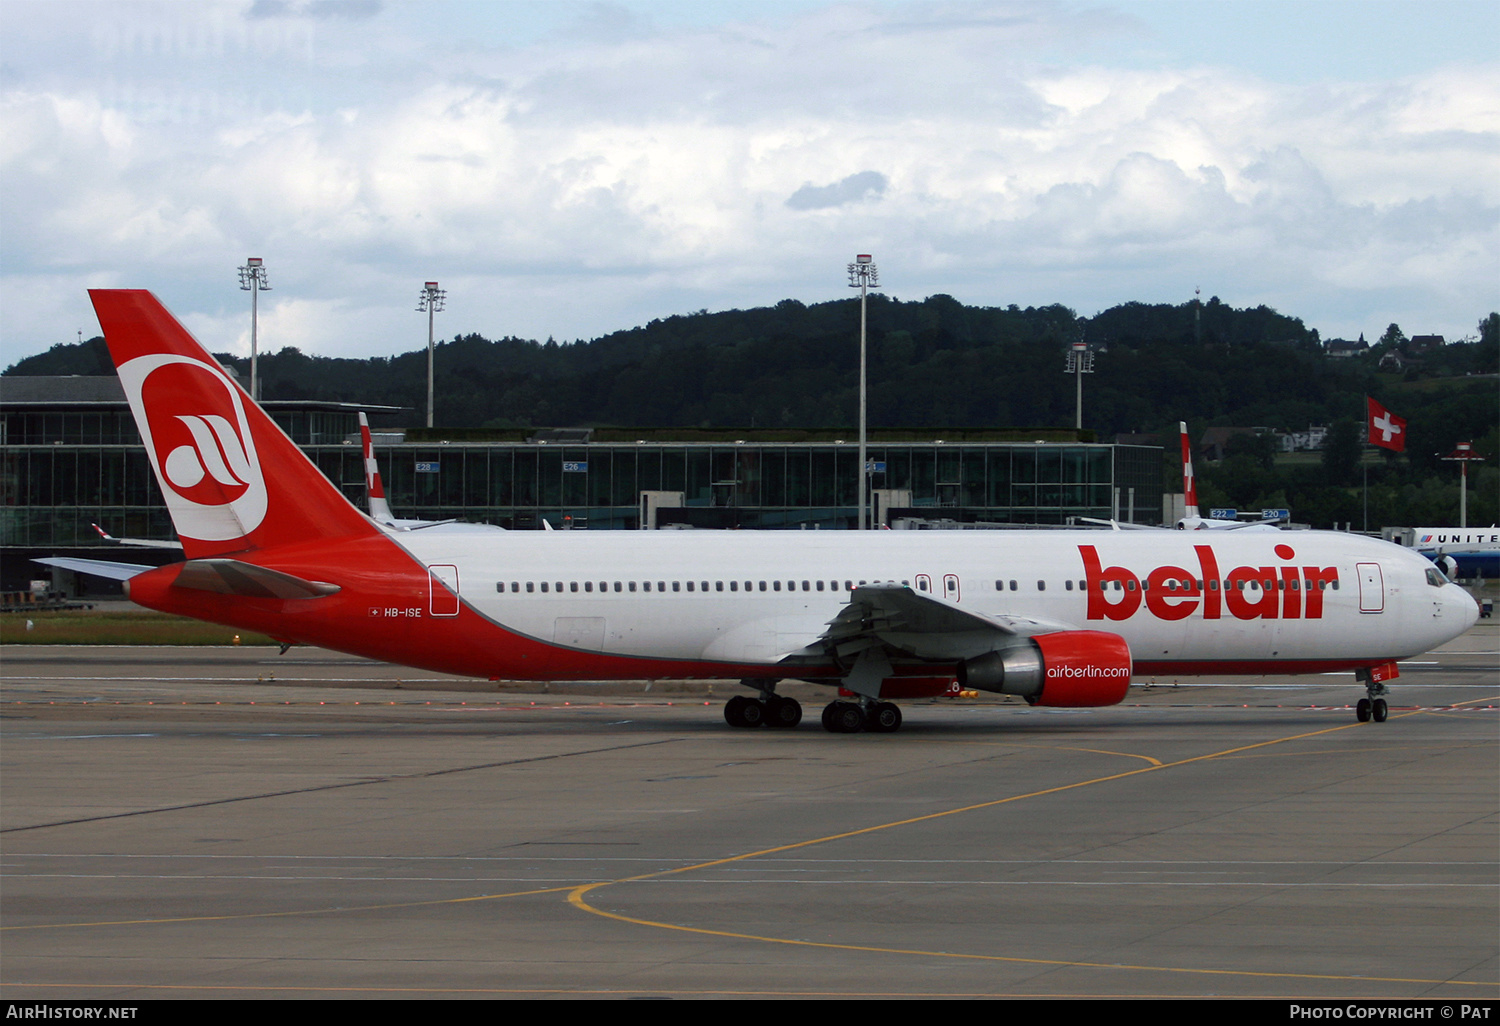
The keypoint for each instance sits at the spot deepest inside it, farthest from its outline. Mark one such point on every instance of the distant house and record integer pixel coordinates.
(1342, 348)
(1310, 440)
(1420, 344)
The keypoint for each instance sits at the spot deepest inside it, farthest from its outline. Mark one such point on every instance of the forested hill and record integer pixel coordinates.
(933, 363)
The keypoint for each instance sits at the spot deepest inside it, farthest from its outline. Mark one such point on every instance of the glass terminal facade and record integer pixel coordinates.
(66, 464)
(755, 484)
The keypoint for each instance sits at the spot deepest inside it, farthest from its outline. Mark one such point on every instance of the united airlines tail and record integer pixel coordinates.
(232, 480)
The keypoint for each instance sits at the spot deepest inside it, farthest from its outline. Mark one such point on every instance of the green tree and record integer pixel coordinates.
(1488, 357)
(1341, 451)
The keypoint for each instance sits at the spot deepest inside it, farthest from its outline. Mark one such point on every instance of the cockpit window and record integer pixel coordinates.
(1436, 578)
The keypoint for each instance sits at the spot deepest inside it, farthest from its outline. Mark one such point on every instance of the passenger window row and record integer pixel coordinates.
(619, 587)
(1185, 584)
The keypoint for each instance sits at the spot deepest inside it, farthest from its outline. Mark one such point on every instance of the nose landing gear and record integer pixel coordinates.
(1373, 706)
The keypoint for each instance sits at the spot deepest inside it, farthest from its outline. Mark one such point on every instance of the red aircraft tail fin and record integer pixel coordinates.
(1189, 482)
(232, 480)
(374, 490)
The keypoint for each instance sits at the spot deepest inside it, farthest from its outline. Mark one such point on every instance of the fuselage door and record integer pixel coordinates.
(1371, 588)
(442, 584)
(950, 587)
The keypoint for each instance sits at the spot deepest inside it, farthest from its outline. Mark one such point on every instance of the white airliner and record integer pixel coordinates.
(1191, 521)
(380, 509)
(1060, 618)
(1467, 550)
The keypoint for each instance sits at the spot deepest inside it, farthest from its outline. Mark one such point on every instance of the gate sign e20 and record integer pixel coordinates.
(427, 468)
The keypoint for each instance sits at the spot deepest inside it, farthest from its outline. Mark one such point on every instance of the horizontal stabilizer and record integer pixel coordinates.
(97, 567)
(232, 577)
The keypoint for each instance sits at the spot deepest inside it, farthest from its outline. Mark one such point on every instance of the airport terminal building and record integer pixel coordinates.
(70, 457)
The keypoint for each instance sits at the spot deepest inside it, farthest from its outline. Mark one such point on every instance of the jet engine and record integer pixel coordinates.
(1068, 668)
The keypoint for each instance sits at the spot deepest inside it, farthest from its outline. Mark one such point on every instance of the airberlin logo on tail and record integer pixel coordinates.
(192, 419)
(214, 453)
(1175, 593)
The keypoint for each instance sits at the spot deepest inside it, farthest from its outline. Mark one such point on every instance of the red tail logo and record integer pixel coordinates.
(193, 421)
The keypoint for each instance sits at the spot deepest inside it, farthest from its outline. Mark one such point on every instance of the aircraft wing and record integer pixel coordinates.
(910, 623)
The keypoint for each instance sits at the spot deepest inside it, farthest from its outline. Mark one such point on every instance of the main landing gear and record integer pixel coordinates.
(852, 717)
(772, 710)
(769, 710)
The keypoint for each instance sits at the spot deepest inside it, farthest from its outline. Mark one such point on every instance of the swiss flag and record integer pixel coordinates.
(1386, 429)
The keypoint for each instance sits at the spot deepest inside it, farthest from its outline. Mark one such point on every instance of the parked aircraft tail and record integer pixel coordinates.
(1189, 481)
(374, 491)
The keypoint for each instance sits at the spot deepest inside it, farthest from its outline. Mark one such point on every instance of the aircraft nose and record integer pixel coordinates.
(1462, 605)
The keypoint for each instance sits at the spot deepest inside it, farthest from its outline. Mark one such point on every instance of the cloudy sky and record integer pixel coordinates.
(566, 169)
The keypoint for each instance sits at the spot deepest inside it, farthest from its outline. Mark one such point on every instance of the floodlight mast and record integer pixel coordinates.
(430, 302)
(1463, 455)
(253, 280)
(863, 275)
(1080, 362)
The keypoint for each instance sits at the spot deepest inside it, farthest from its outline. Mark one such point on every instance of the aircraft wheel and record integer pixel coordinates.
(1362, 710)
(734, 711)
(1379, 710)
(781, 712)
(843, 718)
(752, 714)
(884, 718)
(848, 718)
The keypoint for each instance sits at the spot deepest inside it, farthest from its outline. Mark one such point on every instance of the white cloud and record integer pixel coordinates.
(596, 177)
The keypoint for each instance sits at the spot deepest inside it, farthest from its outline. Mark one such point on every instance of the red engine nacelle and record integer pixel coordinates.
(1069, 668)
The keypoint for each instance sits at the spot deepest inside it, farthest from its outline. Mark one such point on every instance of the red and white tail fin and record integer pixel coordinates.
(1189, 482)
(232, 480)
(374, 492)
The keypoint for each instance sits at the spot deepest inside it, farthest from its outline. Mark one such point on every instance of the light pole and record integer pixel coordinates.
(253, 280)
(1080, 362)
(1463, 456)
(864, 276)
(430, 302)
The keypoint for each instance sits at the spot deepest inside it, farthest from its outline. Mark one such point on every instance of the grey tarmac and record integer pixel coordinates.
(229, 822)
